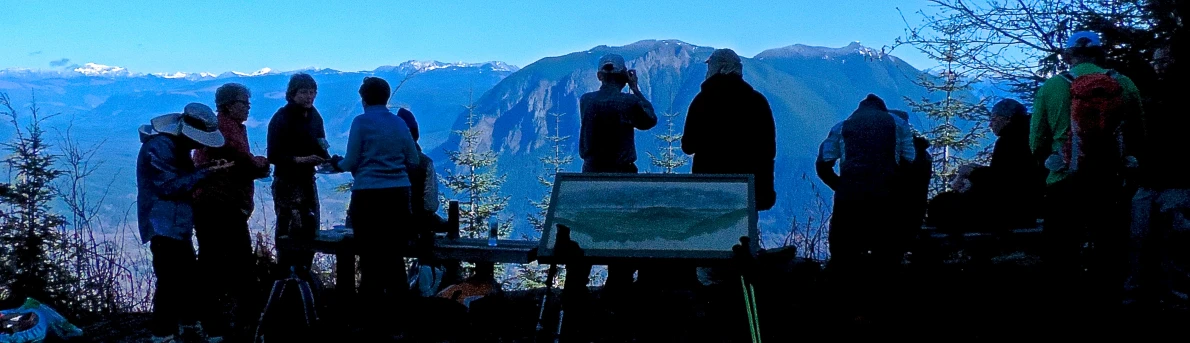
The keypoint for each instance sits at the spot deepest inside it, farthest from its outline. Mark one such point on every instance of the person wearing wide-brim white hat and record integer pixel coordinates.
(166, 178)
(196, 122)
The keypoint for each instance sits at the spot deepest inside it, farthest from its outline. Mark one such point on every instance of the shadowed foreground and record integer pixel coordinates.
(976, 293)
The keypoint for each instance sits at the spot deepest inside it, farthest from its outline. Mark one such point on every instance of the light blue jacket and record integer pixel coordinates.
(379, 150)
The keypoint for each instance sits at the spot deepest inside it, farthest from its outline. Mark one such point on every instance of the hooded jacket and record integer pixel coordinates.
(730, 130)
(165, 182)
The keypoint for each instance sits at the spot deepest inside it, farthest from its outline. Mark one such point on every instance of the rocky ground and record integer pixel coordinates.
(964, 291)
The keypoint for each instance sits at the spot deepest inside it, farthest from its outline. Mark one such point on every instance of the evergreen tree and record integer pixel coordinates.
(954, 121)
(476, 182)
(533, 275)
(669, 158)
(29, 232)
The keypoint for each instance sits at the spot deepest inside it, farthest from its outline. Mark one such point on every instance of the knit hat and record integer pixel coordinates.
(298, 82)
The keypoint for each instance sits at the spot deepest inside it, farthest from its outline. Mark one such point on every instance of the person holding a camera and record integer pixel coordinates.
(607, 144)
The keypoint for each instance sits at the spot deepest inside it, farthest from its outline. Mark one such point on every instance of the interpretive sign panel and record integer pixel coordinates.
(662, 216)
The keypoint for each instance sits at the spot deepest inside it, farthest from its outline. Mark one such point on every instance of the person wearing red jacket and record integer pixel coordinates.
(222, 207)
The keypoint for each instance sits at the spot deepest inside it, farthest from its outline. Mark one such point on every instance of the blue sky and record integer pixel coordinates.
(219, 36)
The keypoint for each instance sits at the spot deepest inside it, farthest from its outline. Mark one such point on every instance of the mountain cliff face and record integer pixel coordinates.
(808, 88)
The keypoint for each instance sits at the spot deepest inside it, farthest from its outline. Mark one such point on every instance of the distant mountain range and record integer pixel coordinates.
(809, 89)
(100, 70)
(107, 104)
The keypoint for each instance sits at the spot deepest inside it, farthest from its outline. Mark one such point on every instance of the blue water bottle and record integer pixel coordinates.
(493, 226)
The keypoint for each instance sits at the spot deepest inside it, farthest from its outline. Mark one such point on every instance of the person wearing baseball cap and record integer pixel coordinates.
(609, 119)
(1085, 204)
(607, 133)
(166, 179)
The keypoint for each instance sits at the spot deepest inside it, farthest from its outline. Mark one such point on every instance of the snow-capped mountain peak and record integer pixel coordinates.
(107, 71)
(183, 75)
(95, 69)
(177, 75)
(262, 71)
(424, 66)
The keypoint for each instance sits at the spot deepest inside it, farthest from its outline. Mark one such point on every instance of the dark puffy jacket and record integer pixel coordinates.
(730, 130)
(870, 145)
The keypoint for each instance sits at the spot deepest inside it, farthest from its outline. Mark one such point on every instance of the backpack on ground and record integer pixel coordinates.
(425, 277)
(290, 313)
(1095, 138)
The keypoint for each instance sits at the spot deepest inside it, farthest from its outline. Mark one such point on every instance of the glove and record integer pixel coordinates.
(564, 247)
(742, 257)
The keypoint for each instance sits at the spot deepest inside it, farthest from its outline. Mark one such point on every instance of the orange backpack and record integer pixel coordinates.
(1096, 115)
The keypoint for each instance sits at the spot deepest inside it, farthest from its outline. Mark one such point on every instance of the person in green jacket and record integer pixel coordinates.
(1087, 203)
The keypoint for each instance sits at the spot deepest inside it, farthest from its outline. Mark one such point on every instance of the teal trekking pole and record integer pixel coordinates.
(750, 306)
(744, 255)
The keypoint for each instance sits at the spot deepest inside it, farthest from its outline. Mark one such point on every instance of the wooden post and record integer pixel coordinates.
(453, 269)
(452, 220)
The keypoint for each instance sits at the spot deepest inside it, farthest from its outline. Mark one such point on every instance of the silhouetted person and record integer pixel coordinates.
(222, 207)
(610, 118)
(296, 144)
(911, 185)
(380, 151)
(730, 128)
(423, 200)
(423, 180)
(166, 179)
(957, 209)
(607, 144)
(869, 146)
(1157, 280)
(1086, 202)
(1014, 182)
